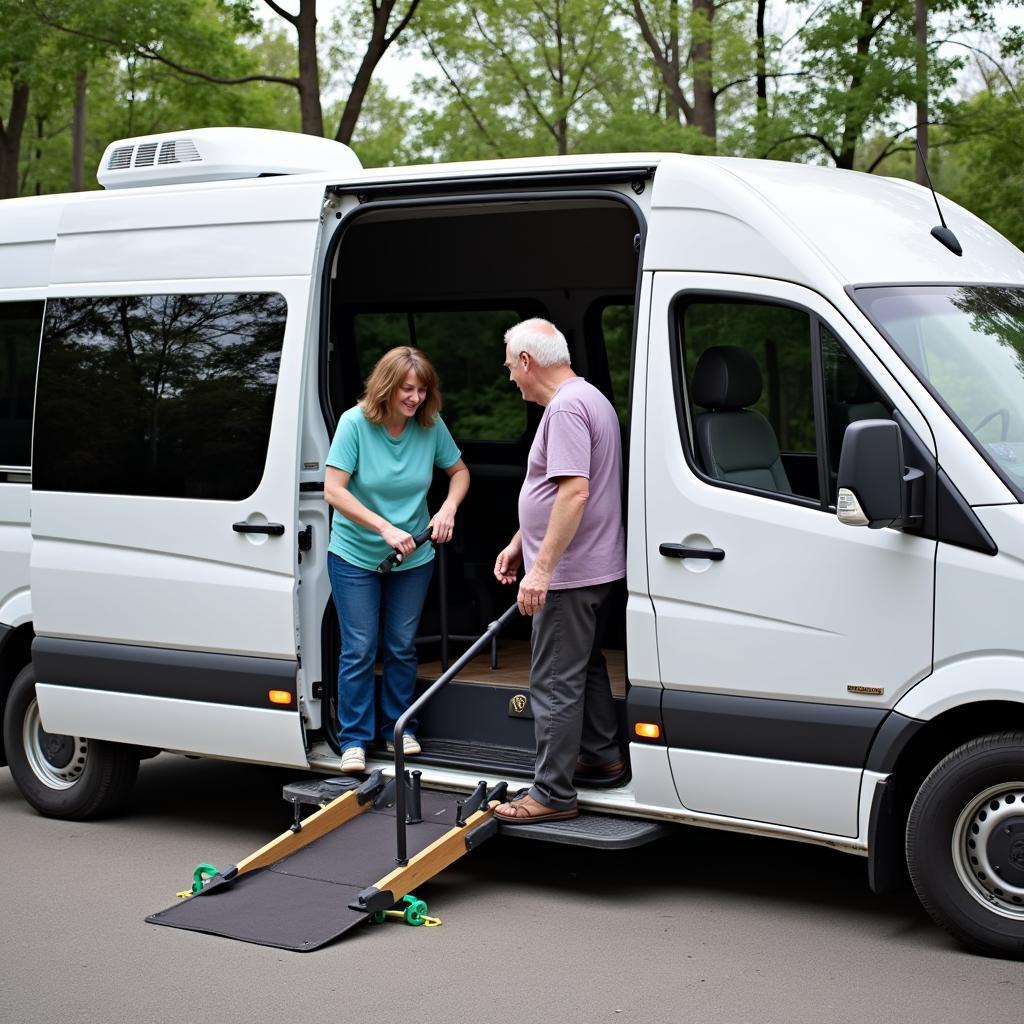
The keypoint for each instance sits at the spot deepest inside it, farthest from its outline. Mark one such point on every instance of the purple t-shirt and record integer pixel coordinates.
(578, 436)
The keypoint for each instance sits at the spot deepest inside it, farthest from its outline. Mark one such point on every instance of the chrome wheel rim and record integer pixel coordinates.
(988, 849)
(56, 761)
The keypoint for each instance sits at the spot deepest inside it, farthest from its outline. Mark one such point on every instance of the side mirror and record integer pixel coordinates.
(875, 488)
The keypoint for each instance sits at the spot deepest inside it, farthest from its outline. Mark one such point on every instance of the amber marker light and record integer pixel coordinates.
(280, 697)
(648, 730)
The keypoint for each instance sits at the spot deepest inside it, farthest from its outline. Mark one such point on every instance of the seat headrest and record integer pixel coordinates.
(727, 377)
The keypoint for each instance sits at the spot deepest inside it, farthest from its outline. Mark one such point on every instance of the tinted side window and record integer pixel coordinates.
(465, 346)
(749, 379)
(20, 323)
(159, 395)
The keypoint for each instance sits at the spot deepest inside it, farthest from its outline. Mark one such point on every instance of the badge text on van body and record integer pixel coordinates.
(871, 691)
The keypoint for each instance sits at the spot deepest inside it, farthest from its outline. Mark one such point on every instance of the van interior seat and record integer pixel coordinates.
(857, 394)
(735, 443)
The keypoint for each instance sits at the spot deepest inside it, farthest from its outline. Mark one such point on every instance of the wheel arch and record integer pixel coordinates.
(15, 654)
(912, 749)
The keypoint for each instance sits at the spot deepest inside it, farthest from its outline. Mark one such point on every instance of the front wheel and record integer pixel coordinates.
(965, 844)
(62, 776)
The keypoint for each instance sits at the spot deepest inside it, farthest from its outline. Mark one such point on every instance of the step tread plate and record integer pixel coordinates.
(599, 831)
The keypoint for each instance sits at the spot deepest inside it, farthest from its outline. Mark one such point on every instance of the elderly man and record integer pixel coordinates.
(572, 544)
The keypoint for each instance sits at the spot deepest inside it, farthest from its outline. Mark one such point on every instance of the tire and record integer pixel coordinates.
(67, 777)
(965, 844)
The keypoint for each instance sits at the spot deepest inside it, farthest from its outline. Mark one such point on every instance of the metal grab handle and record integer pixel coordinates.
(401, 858)
(392, 560)
(684, 551)
(273, 529)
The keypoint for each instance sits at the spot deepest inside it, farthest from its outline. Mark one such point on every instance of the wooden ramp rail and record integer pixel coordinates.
(335, 814)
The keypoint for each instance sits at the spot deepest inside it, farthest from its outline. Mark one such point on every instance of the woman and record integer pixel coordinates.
(379, 468)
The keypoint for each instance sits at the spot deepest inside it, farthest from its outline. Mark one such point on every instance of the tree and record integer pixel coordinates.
(522, 76)
(166, 45)
(709, 43)
(20, 45)
(861, 66)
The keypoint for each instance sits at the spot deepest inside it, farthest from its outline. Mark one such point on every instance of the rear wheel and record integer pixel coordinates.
(965, 844)
(62, 776)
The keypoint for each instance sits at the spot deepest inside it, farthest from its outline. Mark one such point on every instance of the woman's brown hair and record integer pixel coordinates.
(392, 368)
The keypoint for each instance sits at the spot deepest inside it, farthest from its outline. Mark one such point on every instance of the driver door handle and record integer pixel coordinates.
(683, 551)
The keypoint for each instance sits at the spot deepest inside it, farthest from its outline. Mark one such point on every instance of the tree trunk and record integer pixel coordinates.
(78, 133)
(562, 135)
(673, 111)
(703, 89)
(361, 83)
(853, 125)
(667, 60)
(309, 70)
(921, 34)
(762, 62)
(10, 141)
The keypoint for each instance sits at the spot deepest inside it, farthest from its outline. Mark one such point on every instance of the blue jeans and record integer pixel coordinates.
(362, 599)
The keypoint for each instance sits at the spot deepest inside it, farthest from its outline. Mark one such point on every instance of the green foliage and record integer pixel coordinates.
(631, 131)
(383, 135)
(521, 77)
(982, 166)
(510, 78)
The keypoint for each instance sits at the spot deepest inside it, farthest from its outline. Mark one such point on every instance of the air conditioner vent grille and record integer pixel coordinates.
(145, 155)
(178, 151)
(120, 158)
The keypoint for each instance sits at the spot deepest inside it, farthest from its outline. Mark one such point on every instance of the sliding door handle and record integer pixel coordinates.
(684, 551)
(274, 529)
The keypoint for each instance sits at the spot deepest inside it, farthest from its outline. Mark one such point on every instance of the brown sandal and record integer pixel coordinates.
(520, 812)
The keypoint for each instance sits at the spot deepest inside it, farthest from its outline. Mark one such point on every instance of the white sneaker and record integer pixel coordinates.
(353, 760)
(410, 745)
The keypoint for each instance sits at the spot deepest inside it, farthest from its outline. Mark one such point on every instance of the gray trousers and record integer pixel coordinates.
(570, 694)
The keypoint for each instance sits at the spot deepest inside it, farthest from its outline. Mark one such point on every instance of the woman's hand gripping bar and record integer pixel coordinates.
(396, 556)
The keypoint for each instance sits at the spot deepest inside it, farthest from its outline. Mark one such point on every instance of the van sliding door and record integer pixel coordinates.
(164, 511)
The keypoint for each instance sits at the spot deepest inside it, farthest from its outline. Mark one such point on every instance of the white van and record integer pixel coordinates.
(779, 341)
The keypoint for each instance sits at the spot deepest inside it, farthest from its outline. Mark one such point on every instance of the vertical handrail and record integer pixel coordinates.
(442, 591)
(401, 857)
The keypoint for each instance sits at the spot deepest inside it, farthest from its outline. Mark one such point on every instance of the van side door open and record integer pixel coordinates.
(164, 510)
(783, 636)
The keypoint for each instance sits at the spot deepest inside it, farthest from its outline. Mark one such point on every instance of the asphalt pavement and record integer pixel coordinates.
(699, 927)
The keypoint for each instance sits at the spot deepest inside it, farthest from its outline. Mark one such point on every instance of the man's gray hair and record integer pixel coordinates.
(541, 338)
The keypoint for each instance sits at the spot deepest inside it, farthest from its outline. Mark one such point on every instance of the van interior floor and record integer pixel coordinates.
(338, 868)
(513, 668)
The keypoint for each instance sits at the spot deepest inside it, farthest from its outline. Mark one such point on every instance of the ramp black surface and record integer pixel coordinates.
(301, 901)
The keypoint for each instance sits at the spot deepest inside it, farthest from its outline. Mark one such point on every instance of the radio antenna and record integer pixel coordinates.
(940, 231)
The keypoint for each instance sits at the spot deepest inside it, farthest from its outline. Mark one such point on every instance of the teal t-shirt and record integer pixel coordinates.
(390, 476)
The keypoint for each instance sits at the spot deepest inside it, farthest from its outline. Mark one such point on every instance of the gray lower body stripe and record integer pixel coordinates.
(162, 672)
(783, 730)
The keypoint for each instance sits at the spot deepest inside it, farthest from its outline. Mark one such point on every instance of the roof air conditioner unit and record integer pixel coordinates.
(219, 154)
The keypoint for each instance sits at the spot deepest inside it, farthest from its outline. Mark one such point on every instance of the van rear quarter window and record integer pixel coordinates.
(20, 323)
(157, 395)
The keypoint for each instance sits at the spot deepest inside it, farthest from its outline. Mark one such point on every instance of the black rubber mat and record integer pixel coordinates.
(301, 901)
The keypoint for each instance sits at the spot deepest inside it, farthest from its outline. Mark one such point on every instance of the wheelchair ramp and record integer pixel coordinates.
(310, 886)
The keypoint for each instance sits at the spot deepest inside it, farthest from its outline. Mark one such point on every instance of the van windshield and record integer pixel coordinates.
(967, 345)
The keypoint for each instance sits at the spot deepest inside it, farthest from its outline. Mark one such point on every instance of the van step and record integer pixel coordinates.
(490, 757)
(598, 831)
